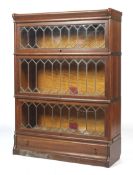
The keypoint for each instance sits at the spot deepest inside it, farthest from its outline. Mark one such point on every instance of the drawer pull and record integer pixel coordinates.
(95, 151)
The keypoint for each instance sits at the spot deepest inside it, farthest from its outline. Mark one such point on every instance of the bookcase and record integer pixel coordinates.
(67, 86)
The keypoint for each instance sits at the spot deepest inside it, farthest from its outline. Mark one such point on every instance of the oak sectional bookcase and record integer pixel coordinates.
(67, 86)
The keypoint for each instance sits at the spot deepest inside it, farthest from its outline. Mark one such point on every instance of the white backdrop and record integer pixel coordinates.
(25, 165)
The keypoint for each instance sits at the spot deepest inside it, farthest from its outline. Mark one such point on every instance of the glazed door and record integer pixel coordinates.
(65, 118)
(63, 37)
(78, 77)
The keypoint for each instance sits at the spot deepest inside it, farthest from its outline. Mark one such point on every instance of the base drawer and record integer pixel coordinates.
(101, 154)
(60, 146)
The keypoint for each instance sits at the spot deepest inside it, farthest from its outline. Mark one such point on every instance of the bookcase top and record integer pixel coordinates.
(69, 16)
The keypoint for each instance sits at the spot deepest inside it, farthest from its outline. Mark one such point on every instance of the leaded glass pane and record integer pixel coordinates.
(63, 36)
(75, 77)
(77, 119)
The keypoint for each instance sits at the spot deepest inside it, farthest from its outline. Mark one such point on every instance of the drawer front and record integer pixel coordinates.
(70, 119)
(60, 146)
(63, 37)
(60, 76)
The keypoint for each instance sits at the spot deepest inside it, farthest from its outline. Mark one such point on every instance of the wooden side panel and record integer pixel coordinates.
(115, 77)
(114, 152)
(115, 120)
(115, 35)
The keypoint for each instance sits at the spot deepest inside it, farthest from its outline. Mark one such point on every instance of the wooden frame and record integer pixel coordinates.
(90, 149)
